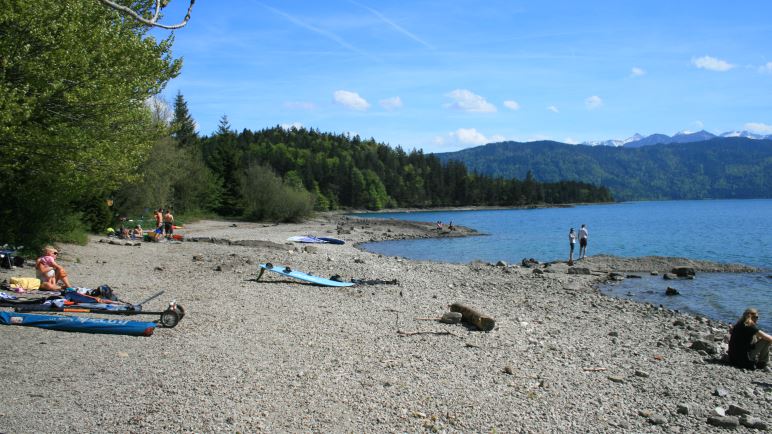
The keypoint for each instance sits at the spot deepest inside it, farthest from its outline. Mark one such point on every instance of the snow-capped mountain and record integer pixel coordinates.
(635, 137)
(746, 134)
(637, 140)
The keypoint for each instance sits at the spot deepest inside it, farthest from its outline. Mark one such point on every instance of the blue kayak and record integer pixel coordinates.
(78, 324)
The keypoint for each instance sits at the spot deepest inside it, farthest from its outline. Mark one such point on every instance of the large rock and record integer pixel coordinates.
(669, 276)
(683, 271)
(730, 422)
(735, 410)
(579, 270)
(529, 262)
(753, 422)
(690, 409)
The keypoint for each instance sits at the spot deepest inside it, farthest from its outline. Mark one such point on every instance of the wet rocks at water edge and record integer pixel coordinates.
(670, 291)
(683, 272)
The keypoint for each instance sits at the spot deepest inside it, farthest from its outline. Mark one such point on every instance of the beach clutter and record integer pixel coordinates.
(100, 300)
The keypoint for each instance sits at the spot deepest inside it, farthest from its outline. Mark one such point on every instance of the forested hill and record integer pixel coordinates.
(343, 171)
(719, 168)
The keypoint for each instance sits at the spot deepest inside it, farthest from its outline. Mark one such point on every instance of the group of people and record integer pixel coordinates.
(164, 224)
(583, 235)
(440, 226)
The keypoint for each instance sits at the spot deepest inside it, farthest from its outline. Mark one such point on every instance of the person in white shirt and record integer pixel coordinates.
(583, 234)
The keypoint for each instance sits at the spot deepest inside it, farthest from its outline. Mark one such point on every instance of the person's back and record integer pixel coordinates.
(740, 344)
(748, 345)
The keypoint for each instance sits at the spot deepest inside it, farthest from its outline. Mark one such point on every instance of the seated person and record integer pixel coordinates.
(124, 234)
(748, 345)
(49, 272)
(136, 234)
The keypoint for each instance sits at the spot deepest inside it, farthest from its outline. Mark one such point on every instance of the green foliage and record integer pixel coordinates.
(183, 126)
(717, 168)
(267, 197)
(344, 171)
(74, 77)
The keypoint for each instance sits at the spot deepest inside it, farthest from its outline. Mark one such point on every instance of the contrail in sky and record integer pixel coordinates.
(394, 25)
(325, 33)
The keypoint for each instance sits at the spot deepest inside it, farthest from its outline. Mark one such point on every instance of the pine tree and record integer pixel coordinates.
(183, 125)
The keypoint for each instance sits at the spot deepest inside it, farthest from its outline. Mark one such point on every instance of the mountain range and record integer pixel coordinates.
(637, 140)
(722, 167)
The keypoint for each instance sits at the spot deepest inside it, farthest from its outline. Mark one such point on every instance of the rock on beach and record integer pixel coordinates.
(280, 355)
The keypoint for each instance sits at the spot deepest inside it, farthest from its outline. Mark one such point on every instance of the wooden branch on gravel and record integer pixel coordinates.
(473, 316)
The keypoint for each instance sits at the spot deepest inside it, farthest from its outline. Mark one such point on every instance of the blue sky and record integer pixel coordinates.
(447, 75)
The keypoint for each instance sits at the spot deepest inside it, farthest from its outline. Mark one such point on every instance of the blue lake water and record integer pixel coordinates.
(717, 230)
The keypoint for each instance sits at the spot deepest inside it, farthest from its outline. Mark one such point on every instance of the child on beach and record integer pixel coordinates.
(49, 272)
(748, 345)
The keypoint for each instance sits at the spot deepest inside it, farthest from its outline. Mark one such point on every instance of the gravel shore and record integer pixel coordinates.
(278, 355)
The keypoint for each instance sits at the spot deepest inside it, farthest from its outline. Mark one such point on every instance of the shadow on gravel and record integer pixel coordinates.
(294, 282)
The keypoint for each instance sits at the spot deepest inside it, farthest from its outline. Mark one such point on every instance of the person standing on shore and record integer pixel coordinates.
(748, 345)
(583, 235)
(159, 219)
(169, 223)
(571, 244)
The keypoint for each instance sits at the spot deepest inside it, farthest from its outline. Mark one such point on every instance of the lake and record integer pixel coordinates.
(716, 230)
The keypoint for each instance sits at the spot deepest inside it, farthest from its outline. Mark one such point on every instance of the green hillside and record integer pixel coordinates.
(718, 168)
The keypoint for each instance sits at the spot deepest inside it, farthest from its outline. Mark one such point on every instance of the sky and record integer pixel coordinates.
(447, 75)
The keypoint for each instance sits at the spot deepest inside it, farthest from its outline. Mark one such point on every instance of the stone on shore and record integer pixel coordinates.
(729, 422)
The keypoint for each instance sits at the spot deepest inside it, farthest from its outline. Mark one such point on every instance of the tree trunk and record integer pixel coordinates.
(472, 316)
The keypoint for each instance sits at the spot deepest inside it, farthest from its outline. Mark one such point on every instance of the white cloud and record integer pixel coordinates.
(758, 127)
(512, 105)
(593, 102)
(469, 102)
(299, 105)
(469, 136)
(553, 109)
(766, 68)
(637, 72)
(350, 100)
(391, 103)
(699, 125)
(712, 64)
(465, 137)
(570, 141)
(295, 125)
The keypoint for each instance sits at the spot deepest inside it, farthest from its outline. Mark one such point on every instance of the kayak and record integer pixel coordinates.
(78, 324)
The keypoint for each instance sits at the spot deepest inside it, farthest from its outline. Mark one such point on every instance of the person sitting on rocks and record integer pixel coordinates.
(748, 345)
(49, 272)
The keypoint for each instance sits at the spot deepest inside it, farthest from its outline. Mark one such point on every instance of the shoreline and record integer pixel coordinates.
(278, 355)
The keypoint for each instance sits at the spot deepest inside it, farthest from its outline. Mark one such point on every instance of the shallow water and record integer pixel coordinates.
(729, 231)
(719, 296)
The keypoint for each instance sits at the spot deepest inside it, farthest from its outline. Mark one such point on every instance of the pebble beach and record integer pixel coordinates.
(279, 355)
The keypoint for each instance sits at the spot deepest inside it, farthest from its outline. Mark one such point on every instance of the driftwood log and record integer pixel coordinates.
(473, 316)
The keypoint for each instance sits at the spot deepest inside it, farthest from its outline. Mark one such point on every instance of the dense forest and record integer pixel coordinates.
(83, 139)
(732, 167)
(348, 172)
